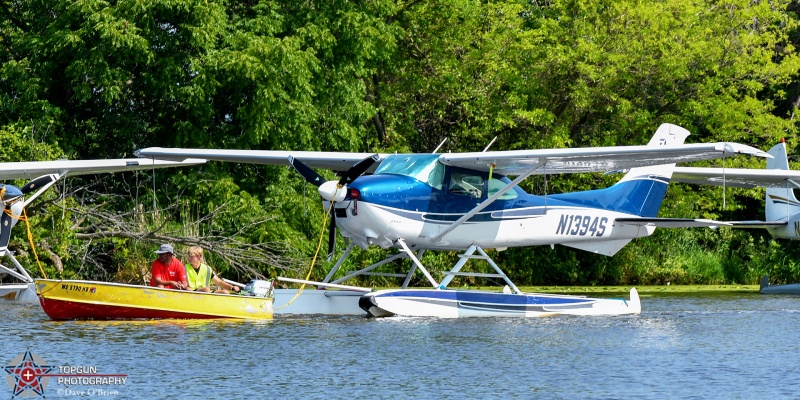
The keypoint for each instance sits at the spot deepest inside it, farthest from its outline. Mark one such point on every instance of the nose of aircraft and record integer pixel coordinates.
(10, 192)
(331, 191)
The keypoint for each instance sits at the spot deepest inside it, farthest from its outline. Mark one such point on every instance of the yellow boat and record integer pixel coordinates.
(74, 299)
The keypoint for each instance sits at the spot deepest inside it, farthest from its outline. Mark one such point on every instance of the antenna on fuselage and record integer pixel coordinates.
(439, 146)
(489, 145)
(491, 166)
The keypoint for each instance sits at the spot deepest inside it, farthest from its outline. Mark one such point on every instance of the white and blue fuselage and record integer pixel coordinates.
(415, 197)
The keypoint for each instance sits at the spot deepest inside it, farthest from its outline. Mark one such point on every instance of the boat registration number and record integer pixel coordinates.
(77, 288)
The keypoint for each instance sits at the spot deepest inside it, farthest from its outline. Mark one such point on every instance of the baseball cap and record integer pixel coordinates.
(165, 248)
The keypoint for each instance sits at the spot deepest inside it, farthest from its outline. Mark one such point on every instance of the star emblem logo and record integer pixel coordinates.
(27, 374)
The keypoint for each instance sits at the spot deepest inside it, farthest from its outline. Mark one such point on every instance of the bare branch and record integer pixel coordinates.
(96, 222)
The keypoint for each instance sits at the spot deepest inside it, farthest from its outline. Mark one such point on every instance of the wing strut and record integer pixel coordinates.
(470, 254)
(339, 262)
(417, 262)
(19, 273)
(437, 237)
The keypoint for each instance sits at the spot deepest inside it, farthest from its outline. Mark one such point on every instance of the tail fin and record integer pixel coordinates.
(641, 191)
(764, 281)
(648, 185)
(781, 203)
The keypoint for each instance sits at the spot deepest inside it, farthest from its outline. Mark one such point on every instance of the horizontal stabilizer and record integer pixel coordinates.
(604, 247)
(756, 224)
(673, 222)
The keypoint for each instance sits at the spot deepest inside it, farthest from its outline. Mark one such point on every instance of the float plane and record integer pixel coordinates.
(13, 201)
(465, 202)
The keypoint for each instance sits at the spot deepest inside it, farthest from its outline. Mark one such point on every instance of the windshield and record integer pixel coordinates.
(422, 167)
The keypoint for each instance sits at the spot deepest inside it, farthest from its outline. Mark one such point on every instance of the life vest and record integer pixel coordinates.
(200, 278)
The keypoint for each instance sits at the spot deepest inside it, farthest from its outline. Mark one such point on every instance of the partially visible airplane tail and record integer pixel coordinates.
(646, 186)
(764, 282)
(781, 203)
(641, 191)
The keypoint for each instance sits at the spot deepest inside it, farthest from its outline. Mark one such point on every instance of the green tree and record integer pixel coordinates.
(96, 79)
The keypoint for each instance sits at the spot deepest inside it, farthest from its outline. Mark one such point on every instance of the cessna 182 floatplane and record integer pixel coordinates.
(781, 208)
(465, 202)
(13, 201)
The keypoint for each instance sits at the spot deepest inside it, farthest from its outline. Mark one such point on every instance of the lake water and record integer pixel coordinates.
(732, 346)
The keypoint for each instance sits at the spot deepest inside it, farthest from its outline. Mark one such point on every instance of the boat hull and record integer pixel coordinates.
(464, 303)
(82, 300)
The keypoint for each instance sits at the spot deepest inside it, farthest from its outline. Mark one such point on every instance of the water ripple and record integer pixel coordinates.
(729, 346)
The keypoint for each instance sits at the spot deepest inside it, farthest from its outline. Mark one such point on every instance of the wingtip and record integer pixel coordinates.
(738, 148)
(764, 154)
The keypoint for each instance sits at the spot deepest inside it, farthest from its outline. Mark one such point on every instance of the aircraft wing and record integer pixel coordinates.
(595, 159)
(515, 162)
(673, 222)
(33, 169)
(331, 160)
(736, 177)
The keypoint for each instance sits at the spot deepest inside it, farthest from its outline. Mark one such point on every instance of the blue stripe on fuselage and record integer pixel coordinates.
(636, 197)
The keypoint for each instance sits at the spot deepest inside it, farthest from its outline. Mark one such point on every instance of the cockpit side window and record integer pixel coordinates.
(466, 184)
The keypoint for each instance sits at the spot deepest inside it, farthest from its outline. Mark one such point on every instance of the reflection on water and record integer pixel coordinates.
(704, 346)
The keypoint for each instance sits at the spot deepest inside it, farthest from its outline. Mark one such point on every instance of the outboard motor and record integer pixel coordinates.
(258, 288)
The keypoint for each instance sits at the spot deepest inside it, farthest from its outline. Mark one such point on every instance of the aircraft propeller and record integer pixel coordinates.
(14, 202)
(311, 176)
(333, 191)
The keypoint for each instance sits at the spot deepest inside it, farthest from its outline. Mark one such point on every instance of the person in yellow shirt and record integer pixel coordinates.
(200, 275)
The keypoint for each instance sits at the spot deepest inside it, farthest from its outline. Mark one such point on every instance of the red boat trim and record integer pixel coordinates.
(61, 310)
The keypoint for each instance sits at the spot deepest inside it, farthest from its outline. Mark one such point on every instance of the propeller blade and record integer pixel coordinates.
(332, 237)
(5, 232)
(38, 183)
(311, 176)
(356, 170)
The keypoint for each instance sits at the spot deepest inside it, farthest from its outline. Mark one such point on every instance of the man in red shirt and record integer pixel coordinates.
(167, 271)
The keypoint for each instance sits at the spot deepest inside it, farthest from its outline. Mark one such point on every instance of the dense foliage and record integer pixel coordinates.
(100, 79)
